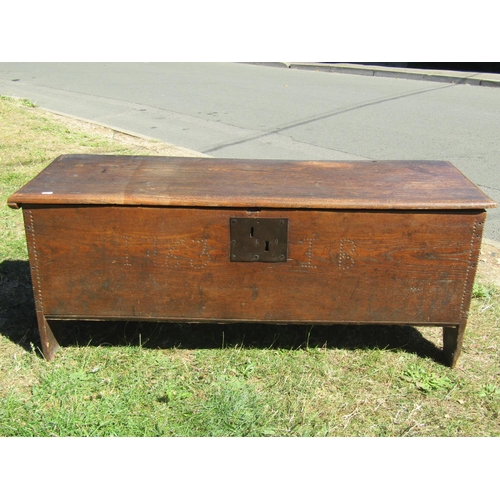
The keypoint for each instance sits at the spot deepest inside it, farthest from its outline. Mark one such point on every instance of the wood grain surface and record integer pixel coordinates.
(407, 267)
(148, 238)
(214, 182)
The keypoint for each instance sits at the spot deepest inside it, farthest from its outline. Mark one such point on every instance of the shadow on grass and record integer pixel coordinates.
(18, 323)
(17, 307)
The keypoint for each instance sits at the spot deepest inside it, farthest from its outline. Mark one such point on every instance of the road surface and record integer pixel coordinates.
(249, 111)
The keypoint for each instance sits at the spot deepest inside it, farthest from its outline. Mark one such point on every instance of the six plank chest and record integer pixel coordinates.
(220, 240)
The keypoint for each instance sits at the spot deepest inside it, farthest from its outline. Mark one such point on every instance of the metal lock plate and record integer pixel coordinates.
(258, 239)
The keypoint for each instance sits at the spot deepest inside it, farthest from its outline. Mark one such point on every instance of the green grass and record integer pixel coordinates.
(149, 379)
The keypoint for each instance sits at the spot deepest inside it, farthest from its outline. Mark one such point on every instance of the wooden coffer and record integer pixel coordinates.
(222, 240)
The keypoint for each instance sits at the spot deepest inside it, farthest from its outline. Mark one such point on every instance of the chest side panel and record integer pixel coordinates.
(174, 263)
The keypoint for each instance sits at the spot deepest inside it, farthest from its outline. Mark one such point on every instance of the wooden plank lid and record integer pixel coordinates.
(214, 182)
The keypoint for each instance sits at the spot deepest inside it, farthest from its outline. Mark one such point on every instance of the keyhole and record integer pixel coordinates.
(251, 232)
(266, 249)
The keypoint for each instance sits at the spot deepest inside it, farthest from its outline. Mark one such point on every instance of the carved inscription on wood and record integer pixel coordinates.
(174, 263)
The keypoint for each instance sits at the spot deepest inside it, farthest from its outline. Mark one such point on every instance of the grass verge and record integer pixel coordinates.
(148, 379)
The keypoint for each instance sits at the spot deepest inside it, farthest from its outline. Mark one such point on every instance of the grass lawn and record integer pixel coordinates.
(151, 379)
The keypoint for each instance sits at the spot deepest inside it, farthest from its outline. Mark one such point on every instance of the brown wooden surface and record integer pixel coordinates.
(413, 267)
(118, 237)
(452, 343)
(212, 182)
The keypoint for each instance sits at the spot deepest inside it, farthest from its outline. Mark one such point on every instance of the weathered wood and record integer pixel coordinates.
(47, 336)
(149, 238)
(215, 182)
(452, 343)
(395, 267)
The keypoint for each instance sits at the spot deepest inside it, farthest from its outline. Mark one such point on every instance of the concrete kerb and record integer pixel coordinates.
(181, 149)
(458, 77)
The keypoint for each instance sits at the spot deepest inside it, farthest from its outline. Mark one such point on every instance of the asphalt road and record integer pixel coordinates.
(246, 111)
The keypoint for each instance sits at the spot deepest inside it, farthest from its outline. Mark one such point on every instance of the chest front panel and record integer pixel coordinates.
(413, 267)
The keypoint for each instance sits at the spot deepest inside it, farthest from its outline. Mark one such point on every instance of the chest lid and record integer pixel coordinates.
(215, 182)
